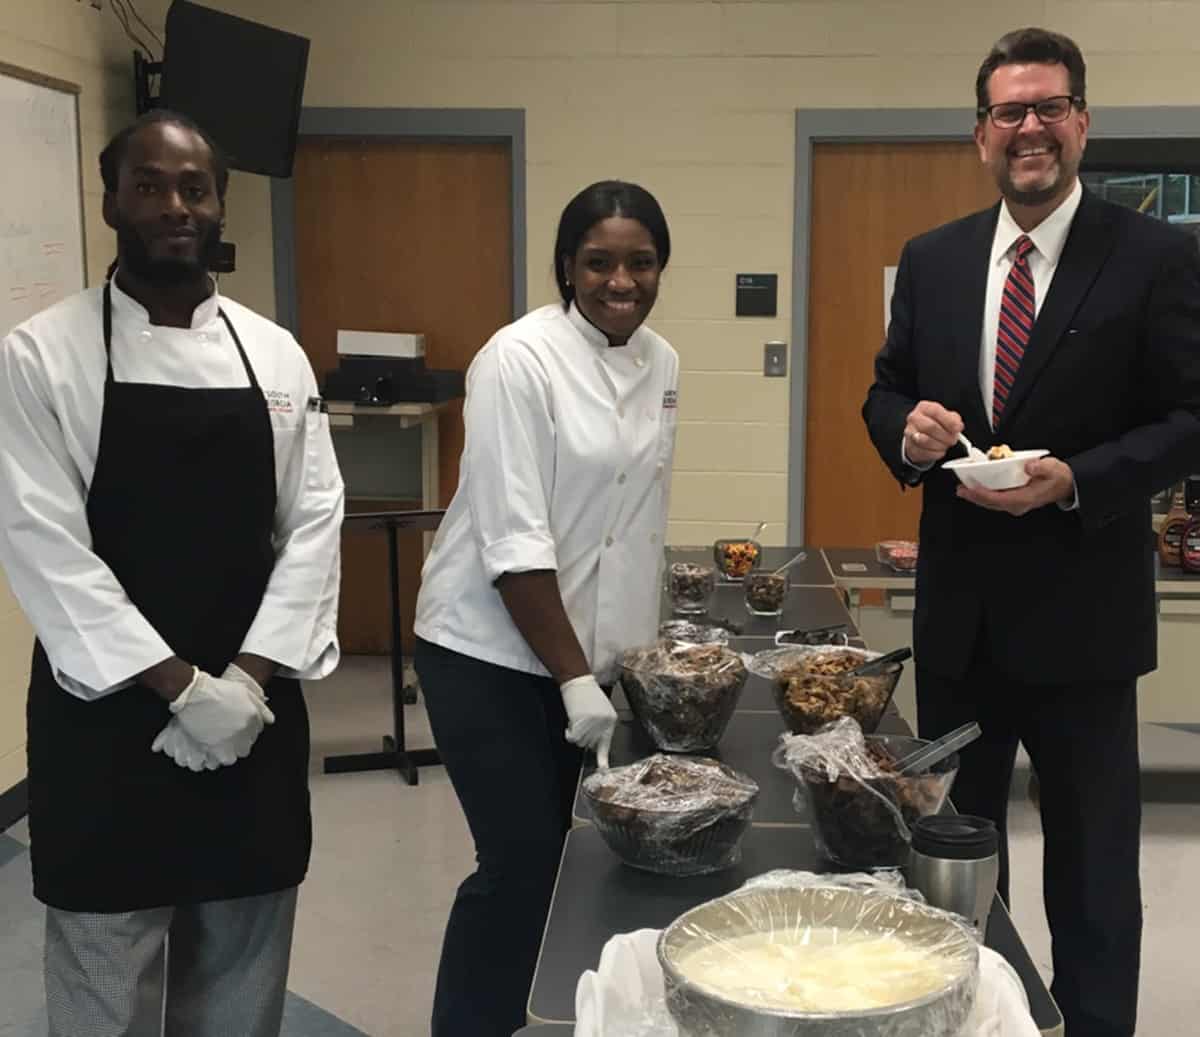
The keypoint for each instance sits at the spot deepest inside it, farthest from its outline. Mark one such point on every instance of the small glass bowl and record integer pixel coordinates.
(765, 593)
(898, 555)
(735, 559)
(690, 587)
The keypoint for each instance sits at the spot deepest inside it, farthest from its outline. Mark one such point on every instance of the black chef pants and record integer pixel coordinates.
(1082, 740)
(501, 736)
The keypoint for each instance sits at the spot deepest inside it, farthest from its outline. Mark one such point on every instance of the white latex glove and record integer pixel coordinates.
(223, 714)
(591, 717)
(176, 743)
(233, 672)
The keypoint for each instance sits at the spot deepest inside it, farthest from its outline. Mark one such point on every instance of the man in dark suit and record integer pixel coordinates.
(1053, 320)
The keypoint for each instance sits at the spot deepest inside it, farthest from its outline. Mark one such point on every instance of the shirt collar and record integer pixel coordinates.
(125, 307)
(1049, 237)
(592, 334)
(597, 339)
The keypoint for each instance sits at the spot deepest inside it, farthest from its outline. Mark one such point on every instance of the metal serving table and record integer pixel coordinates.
(597, 896)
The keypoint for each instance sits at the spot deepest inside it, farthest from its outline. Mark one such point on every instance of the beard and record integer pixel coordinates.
(1029, 196)
(1062, 175)
(167, 271)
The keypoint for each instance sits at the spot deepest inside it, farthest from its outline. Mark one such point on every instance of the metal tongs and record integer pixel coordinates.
(936, 752)
(838, 633)
(876, 666)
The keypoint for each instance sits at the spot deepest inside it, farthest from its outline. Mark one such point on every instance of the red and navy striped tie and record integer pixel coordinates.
(1018, 310)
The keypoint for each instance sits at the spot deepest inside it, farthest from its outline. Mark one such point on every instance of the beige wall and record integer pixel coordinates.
(692, 99)
(695, 101)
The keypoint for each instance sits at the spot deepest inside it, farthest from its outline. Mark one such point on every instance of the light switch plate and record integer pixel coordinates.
(775, 360)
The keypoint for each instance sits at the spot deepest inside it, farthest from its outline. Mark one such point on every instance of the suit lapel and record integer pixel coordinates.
(1088, 245)
(968, 318)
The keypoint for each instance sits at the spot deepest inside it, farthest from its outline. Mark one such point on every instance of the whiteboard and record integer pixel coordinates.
(41, 196)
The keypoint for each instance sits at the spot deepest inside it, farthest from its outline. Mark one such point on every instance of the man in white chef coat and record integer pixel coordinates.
(170, 508)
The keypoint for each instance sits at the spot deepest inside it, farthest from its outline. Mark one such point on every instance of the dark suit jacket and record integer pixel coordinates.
(1110, 383)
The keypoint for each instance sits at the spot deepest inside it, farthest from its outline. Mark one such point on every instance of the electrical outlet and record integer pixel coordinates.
(775, 360)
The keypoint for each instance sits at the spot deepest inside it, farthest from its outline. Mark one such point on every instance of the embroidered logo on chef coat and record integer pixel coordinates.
(278, 402)
(670, 399)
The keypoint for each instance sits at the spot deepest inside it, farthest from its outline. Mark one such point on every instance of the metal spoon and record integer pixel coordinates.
(787, 565)
(761, 526)
(973, 452)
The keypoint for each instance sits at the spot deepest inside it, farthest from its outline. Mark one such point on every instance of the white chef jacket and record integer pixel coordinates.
(52, 371)
(567, 465)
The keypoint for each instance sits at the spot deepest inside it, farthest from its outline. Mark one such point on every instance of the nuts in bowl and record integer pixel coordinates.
(863, 810)
(765, 593)
(737, 558)
(812, 688)
(691, 587)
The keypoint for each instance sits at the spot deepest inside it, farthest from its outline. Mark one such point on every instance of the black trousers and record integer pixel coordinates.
(1082, 740)
(501, 736)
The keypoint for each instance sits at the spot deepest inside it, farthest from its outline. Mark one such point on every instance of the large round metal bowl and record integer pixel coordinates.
(700, 1012)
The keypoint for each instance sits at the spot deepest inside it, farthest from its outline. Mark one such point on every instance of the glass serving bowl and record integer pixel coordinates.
(690, 587)
(735, 559)
(898, 555)
(867, 824)
(765, 593)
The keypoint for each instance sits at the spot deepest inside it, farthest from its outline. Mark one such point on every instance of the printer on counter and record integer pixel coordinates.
(379, 368)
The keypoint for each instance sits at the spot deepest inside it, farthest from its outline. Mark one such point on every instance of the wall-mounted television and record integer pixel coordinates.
(241, 81)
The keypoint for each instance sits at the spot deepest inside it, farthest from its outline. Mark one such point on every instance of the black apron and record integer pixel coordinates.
(181, 508)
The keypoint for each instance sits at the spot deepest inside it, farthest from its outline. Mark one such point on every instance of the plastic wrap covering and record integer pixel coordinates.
(861, 809)
(624, 995)
(676, 815)
(792, 954)
(692, 633)
(683, 694)
(811, 691)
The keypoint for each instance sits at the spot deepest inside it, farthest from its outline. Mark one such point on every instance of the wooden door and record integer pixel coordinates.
(867, 201)
(396, 235)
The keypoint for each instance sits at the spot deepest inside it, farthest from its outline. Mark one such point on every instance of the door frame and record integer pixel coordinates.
(890, 125)
(476, 125)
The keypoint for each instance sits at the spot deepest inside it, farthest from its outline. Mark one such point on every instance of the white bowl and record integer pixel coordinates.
(1006, 474)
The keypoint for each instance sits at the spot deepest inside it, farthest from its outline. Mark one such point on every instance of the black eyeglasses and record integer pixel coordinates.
(1010, 114)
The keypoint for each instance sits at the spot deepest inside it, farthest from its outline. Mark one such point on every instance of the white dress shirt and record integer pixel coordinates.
(567, 464)
(52, 371)
(1048, 239)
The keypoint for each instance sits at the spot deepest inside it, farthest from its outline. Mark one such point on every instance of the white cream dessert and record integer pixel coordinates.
(817, 970)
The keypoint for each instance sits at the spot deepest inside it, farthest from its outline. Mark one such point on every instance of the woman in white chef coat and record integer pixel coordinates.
(546, 567)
